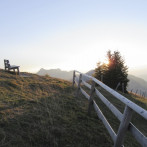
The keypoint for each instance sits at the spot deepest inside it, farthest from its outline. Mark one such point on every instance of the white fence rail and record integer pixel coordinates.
(125, 118)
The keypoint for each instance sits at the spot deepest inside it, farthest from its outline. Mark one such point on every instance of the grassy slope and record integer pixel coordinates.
(42, 111)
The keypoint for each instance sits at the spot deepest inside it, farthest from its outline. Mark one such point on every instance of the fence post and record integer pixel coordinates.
(117, 86)
(73, 82)
(101, 78)
(80, 80)
(123, 126)
(136, 91)
(123, 88)
(91, 97)
(144, 93)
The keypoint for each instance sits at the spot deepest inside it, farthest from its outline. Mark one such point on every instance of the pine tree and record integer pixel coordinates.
(114, 72)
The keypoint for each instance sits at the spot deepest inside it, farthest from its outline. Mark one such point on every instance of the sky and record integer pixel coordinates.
(72, 34)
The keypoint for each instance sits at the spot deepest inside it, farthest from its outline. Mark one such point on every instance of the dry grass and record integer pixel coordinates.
(42, 111)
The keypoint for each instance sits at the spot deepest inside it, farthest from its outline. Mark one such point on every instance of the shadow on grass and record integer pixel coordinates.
(57, 120)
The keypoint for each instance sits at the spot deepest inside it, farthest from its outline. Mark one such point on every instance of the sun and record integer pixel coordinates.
(106, 62)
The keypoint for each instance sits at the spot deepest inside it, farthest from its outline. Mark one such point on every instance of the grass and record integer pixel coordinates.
(42, 111)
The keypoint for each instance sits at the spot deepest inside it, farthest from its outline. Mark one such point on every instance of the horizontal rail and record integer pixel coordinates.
(78, 72)
(113, 109)
(104, 120)
(86, 84)
(84, 93)
(127, 102)
(138, 135)
(134, 131)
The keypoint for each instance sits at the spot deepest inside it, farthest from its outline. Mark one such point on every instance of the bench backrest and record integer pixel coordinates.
(6, 64)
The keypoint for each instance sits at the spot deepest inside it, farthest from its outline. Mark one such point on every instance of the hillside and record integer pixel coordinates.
(137, 84)
(42, 111)
(140, 72)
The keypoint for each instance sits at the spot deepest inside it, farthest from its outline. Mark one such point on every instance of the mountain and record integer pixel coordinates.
(139, 72)
(137, 85)
(57, 73)
(90, 72)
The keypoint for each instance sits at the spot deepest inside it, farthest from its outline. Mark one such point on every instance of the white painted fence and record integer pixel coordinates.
(125, 118)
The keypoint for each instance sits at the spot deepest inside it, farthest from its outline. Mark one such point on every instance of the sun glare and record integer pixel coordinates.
(106, 62)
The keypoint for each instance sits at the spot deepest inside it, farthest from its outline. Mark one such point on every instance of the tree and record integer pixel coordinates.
(114, 72)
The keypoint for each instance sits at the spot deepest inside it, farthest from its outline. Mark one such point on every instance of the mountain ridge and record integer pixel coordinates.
(136, 84)
(57, 73)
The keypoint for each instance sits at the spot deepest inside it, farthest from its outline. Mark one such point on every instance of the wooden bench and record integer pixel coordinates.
(9, 67)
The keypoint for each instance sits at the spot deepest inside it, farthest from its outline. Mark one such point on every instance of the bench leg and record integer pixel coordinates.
(18, 70)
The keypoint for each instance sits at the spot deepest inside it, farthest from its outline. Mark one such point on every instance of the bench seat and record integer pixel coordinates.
(13, 67)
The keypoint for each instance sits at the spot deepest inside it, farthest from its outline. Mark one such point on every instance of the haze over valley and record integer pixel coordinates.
(139, 72)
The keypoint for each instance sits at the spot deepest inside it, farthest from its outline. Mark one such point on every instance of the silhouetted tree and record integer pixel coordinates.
(114, 72)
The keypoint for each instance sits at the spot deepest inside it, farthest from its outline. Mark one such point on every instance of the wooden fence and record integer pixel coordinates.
(125, 118)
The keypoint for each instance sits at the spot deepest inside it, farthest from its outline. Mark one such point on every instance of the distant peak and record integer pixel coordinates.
(41, 70)
(58, 69)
